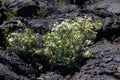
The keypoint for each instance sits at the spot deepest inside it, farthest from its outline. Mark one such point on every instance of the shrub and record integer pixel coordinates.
(66, 42)
(8, 28)
(70, 39)
(25, 44)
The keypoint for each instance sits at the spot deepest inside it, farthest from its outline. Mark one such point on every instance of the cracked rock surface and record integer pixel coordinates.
(105, 63)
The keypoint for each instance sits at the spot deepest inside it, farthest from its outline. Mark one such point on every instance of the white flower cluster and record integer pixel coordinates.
(26, 44)
(26, 41)
(69, 38)
(66, 42)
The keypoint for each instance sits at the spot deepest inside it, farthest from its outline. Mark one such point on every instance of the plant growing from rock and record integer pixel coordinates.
(42, 11)
(68, 40)
(8, 28)
(67, 43)
(12, 13)
(25, 44)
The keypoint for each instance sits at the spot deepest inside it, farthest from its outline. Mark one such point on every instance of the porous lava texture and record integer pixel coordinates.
(39, 15)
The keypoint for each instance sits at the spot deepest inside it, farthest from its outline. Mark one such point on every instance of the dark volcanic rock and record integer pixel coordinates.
(68, 8)
(45, 24)
(28, 11)
(7, 74)
(104, 65)
(40, 25)
(2, 15)
(111, 29)
(25, 8)
(51, 76)
(106, 5)
(12, 25)
(13, 68)
(79, 2)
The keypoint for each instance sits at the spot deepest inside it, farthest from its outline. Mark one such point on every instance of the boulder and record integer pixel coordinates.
(110, 30)
(24, 8)
(105, 65)
(112, 6)
(13, 68)
(2, 15)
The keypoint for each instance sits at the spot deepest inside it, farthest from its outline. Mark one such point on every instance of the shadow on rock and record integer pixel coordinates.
(12, 68)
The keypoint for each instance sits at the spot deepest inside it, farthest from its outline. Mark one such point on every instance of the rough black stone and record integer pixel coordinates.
(12, 67)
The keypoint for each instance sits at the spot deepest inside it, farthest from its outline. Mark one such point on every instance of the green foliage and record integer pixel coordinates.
(42, 11)
(8, 29)
(9, 15)
(25, 44)
(12, 13)
(14, 10)
(66, 42)
(70, 39)
(5, 33)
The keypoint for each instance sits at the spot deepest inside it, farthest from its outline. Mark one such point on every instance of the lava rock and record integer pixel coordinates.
(12, 68)
(24, 8)
(40, 25)
(104, 65)
(12, 25)
(112, 6)
(110, 30)
(53, 76)
(79, 2)
(2, 15)
(28, 11)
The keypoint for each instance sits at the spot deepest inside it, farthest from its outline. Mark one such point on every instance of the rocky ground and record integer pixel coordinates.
(104, 65)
